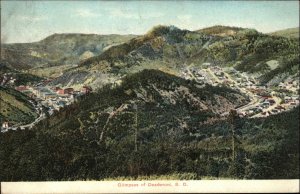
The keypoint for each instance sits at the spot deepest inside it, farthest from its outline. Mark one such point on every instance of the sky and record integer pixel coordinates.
(29, 21)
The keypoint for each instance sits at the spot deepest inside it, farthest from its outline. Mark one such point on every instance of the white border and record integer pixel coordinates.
(202, 186)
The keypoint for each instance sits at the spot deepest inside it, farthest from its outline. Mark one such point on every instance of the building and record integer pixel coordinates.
(86, 89)
(65, 91)
(48, 95)
(280, 108)
(55, 89)
(21, 88)
(47, 81)
(271, 101)
(60, 91)
(5, 125)
(287, 99)
(69, 90)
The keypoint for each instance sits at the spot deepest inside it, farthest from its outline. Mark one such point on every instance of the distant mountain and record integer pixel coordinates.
(15, 107)
(168, 48)
(289, 33)
(57, 49)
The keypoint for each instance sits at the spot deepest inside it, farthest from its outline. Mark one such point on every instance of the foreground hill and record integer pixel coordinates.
(57, 50)
(163, 101)
(168, 48)
(15, 107)
(153, 124)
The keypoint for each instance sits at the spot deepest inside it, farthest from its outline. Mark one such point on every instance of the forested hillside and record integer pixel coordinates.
(168, 49)
(153, 124)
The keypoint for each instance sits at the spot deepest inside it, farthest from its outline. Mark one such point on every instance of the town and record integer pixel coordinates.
(264, 100)
(45, 99)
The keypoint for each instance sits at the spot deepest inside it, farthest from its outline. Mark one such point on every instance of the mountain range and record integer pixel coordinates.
(63, 50)
(169, 49)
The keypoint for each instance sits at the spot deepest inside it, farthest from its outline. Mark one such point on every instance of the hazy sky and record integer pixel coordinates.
(28, 21)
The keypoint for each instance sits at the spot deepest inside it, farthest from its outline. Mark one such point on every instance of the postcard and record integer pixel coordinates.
(149, 96)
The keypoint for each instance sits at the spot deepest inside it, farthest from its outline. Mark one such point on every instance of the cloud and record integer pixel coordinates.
(32, 18)
(86, 13)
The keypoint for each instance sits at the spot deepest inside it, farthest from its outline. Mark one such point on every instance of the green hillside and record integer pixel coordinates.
(144, 120)
(154, 124)
(15, 107)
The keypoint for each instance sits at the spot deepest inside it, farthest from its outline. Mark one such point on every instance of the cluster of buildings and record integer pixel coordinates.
(54, 98)
(195, 73)
(268, 101)
(289, 84)
(7, 79)
(51, 98)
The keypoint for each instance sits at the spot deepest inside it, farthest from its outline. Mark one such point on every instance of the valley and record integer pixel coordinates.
(219, 102)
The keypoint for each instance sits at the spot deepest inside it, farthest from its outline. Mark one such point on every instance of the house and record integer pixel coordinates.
(281, 85)
(48, 95)
(21, 88)
(271, 101)
(56, 88)
(5, 125)
(69, 90)
(280, 108)
(86, 89)
(293, 103)
(287, 99)
(265, 104)
(274, 111)
(60, 91)
(273, 93)
(65, 91)
(219, 73)
(47, 81)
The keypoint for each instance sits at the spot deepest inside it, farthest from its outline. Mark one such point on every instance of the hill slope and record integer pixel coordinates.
(152, 124)
(15, 107)
(289, 33)
(157, 93)
(168, 48)
(57, 49)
